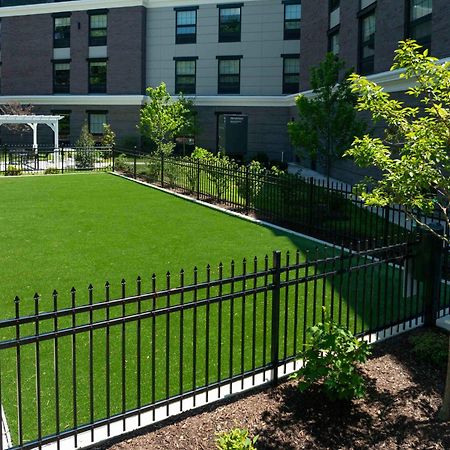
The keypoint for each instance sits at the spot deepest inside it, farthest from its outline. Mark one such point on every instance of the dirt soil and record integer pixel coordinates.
(399, 412)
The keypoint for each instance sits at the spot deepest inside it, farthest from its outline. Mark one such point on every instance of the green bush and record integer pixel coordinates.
(13, 171)
(431, 346)
(236, 439)
(51, 171)
(121, 164)
(331, 358)
(85, 158)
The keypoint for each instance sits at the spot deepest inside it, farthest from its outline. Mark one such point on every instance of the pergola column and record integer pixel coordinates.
(34, 126)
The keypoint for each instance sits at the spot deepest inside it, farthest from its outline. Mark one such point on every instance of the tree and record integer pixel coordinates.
(162, 118)
(413, 155)
(109, 137)
(189, 128)
(17, 109)
(85, 140)
(327, 121)
(85, 155)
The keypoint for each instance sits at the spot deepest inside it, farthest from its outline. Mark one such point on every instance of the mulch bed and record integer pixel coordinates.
(399, 412)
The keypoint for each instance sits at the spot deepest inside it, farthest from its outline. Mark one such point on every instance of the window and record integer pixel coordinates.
(333, 42)
(291, 74)
(186, 29)
(96, 119)
(61, 32)
(419, 21)
(230, 23)
(185, 74)
(334, 4)
(292, 17)
(61, 77)
(367, 44)
(64, 126)
(97, 76)
(98, 25)
(229, 74)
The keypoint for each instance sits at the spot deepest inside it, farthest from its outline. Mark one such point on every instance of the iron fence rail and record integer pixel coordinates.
(328, 210)
(68, 366)
(20, 159)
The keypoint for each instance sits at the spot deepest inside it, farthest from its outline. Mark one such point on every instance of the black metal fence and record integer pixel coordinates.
(75, 371)
(327, 210)
(17, 160)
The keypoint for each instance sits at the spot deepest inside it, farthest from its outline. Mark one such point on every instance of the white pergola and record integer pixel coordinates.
(33, 121)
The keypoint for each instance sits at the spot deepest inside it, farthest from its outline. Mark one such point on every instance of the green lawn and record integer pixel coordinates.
(64, 231)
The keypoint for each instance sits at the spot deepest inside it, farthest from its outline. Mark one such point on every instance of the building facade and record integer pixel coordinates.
(91, 60)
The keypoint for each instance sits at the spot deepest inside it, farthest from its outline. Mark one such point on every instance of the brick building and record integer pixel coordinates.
(92, 59)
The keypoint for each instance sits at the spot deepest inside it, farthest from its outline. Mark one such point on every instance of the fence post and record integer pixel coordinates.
(431, 265)
(134, 164)
(113, 159)
(275, 339)
(386, 225)
(310, 208)
(162, 170)
(62, 159)
(6, 159)
(247, 189)
(198, 179)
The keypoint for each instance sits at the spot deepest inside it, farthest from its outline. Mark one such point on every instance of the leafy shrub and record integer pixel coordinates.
(236, 439)
(331, 359)
(85, 158)
(12, 171)
(431, 346)
(51, 171)
(121, 164)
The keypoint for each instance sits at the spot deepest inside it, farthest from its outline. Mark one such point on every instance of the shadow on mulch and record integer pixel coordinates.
(406, 418)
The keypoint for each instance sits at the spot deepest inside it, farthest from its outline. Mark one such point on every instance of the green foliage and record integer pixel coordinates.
(85, 140)
(331, 358)
(121, 164)
(413, 154)
(327, 121)
(52, 171)
(431, 346)
(109, 137)
(12, 171)
(218, 169)
(236, 439)
(162, 118)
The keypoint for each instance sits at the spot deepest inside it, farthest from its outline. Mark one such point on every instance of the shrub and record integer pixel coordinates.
(121, 164)
(331, 358)
(236, 439)
(51, 171)
(431, 346)
(13, 171)
(85, 158)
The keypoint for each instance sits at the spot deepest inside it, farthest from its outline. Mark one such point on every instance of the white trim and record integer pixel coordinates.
(4, 430)
(68, 6)
(86, 5)
(83, 100)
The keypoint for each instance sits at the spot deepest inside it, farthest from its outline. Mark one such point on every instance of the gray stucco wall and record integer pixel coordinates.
(261, 46)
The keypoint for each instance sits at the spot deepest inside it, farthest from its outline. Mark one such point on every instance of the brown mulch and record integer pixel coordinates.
(399, 412)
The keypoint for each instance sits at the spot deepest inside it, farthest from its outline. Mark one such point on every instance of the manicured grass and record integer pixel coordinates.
(64, 231)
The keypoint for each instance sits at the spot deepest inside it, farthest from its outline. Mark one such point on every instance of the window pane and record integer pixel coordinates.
(368, 28)
(230, 14)
(96, 121)
(421, 31)
(229, 67)
(291, 66)
(185, 67)
(293, 12)
(186, 17)
(420, 8)
(99, 21)
(334, 43)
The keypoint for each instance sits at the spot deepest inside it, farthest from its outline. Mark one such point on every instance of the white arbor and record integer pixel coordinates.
(33, 121)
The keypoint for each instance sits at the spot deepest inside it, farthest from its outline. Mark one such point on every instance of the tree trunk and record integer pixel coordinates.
(444, 413)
